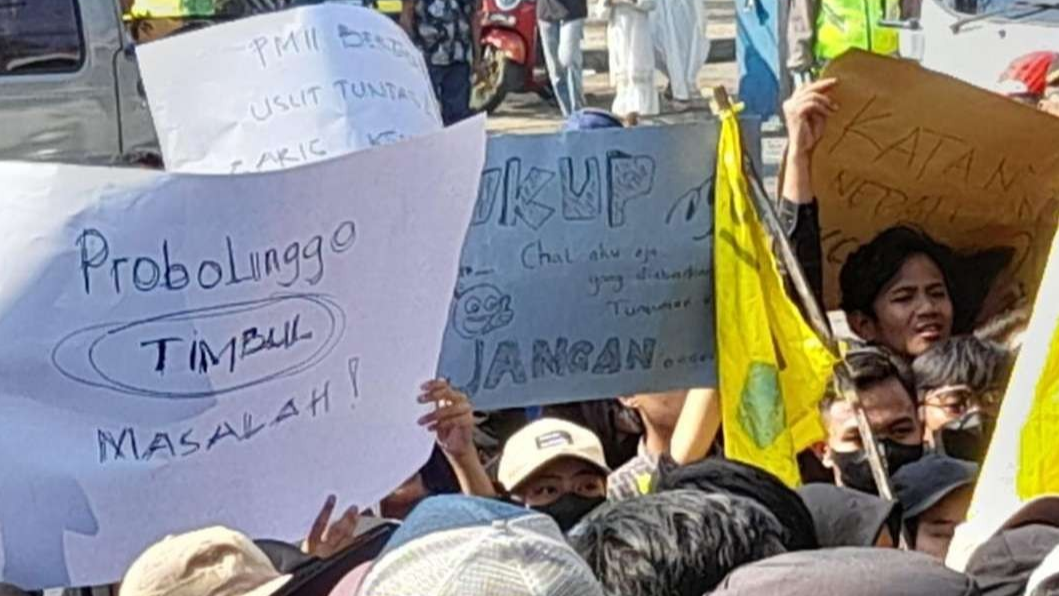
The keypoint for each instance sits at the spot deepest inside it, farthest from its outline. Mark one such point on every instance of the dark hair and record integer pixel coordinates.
(1006, 327)
(869, 268)
(12, 590)
(676, 543)
(722, 476)
(438, 475)
(144, 159)
(865, 367)
(618, 428)
(962, 360)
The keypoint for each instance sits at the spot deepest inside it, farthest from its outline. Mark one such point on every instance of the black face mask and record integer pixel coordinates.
(856, 471)
(967, 437)
(569, 509)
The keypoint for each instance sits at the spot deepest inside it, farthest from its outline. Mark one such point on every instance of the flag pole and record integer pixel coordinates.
(767, 215)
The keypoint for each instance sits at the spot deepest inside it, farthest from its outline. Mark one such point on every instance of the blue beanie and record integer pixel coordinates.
(590, 119)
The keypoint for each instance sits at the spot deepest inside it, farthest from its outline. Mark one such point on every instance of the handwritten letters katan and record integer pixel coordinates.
(972, 168)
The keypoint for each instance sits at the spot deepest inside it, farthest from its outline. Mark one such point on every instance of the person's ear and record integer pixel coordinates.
(823, 453)
(863, 325)
(928, 438)
(629, 402)
(921, 416)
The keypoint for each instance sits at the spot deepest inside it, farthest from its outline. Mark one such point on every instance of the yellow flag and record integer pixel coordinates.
(1039, 448)
(172, 9)
(772, 367)
(1023, 458)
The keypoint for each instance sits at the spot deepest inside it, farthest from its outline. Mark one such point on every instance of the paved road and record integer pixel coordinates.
(527, 113)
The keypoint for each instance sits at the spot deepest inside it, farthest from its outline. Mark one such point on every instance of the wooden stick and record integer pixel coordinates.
(767, 214)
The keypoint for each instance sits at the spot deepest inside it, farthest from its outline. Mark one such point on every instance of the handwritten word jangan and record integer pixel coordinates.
(559, 358)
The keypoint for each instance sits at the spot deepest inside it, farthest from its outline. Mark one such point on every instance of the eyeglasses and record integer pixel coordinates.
(958, 400)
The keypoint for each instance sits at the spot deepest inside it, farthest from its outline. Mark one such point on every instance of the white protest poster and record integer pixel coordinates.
(285, 88)
(181, 350)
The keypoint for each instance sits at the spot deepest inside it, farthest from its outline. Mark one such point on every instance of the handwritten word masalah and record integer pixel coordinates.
(132, 444)
(160, 332)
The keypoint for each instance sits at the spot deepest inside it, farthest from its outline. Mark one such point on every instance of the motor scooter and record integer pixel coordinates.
(511, 54)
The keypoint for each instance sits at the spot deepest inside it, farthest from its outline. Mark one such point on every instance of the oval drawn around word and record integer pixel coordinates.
(205, 352)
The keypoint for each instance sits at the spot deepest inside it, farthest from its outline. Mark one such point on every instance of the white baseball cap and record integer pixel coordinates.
(544, 441)
(210, 562)
(454, 545)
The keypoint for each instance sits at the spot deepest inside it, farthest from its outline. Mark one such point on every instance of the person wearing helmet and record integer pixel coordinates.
(1050, 100)
(1026, 78)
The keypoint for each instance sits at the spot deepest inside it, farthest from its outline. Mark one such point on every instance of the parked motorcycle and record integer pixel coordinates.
(511, 53)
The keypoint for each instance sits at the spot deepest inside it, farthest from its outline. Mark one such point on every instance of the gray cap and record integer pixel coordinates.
(922, 484)
(466, 546)
(860, 571)
(846, 517)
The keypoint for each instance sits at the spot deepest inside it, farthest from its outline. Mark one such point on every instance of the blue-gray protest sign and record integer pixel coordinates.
(587, 271)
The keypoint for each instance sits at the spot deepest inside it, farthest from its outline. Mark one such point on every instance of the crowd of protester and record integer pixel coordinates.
(634, 497)
(554, 517)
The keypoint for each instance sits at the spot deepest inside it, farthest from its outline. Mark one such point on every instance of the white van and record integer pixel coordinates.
(976, 44)
(69, 86)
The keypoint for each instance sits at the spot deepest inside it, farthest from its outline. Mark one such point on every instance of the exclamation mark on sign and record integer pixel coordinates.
(354, 367)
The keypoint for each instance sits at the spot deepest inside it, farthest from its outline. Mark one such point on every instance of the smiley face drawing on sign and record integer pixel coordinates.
(481, 309)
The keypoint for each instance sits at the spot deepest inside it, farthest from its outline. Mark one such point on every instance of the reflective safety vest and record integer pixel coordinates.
(172, 9)
(845, 24)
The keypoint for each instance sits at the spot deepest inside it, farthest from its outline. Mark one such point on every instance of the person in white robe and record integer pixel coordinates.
(681, 47)
(631, 52)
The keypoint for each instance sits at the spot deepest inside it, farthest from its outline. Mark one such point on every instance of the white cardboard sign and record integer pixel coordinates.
(285, 88)
(180, 350)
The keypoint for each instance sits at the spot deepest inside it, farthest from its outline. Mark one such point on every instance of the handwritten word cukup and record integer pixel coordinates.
(587, 268)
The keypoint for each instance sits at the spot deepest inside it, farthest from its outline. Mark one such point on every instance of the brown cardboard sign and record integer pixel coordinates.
(973, 169)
